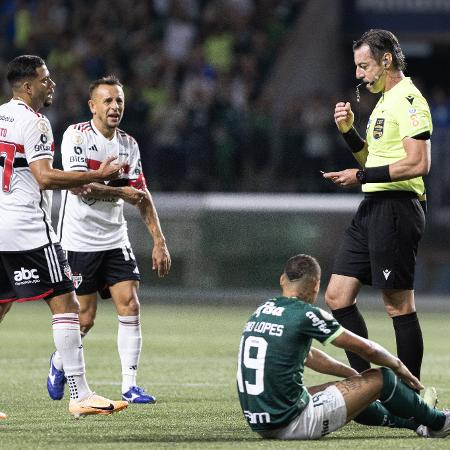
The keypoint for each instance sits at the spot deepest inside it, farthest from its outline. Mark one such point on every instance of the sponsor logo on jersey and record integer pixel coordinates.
(378, 128)
(410, 99)
(77, 159)
(7, 118)
(88, 201)
(26, 276)
(319, 323)
(93, 148)
(269, 308)
(42, 148)
(254, 417)
(386, 273)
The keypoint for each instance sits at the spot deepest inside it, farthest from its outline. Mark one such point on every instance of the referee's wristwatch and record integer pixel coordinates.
(361, 176)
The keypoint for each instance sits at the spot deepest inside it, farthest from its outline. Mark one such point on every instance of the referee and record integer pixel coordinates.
(380, 246)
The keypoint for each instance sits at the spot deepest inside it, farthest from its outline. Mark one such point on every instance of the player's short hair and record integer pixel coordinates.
(23, 67)
(110, 80)
(380, 42)
(302, 267)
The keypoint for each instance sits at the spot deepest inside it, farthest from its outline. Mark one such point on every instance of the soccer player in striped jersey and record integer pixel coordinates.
(98, 247)
(32, 263)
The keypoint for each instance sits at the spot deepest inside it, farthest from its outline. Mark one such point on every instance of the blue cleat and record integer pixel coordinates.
(55, 381)
(138, 395)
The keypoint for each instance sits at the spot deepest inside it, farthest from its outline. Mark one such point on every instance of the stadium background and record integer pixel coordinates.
(231, 102)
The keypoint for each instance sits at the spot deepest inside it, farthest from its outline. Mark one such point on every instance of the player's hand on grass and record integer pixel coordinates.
(343, 116)
(161, 259)
(132, 195)
(110, 170)
(344, 178)
(405, 375)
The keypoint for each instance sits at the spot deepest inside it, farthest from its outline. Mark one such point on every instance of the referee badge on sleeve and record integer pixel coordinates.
(378, 128)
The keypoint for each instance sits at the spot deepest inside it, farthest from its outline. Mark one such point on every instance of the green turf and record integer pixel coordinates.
(188, 362)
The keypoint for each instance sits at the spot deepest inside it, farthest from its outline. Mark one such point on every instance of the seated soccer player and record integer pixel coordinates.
(276, 346)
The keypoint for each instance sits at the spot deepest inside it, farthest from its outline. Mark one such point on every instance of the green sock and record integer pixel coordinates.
(377, 415)
(403, 401)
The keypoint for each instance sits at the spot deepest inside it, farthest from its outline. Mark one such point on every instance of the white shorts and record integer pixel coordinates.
(325, 412)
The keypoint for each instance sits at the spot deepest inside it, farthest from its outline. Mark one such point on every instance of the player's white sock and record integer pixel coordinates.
(129, 343)
(66, 335)
(57, 360)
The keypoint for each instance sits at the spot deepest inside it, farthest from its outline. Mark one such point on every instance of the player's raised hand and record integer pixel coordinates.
(109, 170)
(343, 116)
(161, 259)
(404, 374)
(132, 195)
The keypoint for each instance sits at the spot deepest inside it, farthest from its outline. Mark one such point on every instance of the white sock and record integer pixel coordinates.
(129, 343)
(66, 335)
(57, 360)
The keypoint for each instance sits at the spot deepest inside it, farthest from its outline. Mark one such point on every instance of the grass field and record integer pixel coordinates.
(188, 362)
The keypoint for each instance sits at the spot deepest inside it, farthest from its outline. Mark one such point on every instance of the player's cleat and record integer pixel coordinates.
(2, 416)
(442, 433)
(95, 404)
(430, 397)
(138, 395)
(55, 381)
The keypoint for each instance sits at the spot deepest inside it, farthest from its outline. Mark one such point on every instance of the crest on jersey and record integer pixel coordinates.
(77, 138)
(43, 126)
(77, 279)
(378, 128)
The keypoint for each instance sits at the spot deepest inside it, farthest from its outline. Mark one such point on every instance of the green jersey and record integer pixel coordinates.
(272, 353)
(401, 112)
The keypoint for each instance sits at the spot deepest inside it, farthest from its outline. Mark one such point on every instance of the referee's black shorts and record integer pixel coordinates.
(379, 248)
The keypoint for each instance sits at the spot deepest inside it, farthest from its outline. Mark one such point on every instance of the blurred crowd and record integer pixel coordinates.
(194, 74)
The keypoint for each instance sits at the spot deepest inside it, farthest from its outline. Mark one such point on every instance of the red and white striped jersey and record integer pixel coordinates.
(25, 220)
(86, 224)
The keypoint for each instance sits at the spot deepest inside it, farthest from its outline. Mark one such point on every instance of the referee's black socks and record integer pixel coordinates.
(408, 335)
(350, 318)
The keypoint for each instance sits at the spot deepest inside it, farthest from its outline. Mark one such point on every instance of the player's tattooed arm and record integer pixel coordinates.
(101, 191)
(376, 354)
(161, 260)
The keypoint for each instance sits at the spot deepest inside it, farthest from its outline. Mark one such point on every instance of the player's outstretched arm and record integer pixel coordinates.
(161, 261)
(376, 354)
(50, 178)
(319, 361)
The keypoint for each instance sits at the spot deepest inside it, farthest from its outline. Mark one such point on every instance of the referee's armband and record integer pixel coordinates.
(353, 140)
(374, 175)
(422, 136)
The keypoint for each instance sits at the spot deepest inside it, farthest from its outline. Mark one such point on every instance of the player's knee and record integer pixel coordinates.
(129, 306)
(332, 298)
(374, 375)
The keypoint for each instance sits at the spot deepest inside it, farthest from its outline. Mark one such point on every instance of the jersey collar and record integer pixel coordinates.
(98, 133)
